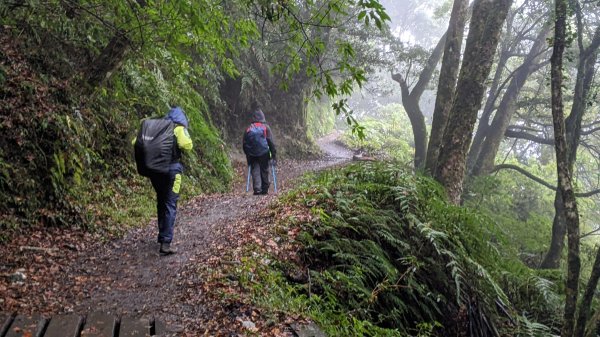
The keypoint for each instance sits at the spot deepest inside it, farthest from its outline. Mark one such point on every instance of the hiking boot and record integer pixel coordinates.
(165, 249)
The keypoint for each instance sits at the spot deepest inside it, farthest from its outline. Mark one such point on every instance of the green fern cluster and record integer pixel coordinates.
(388, 249)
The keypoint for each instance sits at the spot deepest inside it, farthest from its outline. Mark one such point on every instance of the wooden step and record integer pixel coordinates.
(64, 326)
(96, 324)
(26, 326)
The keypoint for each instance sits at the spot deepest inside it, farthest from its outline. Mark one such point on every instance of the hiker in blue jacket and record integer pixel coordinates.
(167, 185)
(259, 149)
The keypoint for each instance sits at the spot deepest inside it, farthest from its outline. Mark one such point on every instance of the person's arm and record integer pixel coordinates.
(184, 141)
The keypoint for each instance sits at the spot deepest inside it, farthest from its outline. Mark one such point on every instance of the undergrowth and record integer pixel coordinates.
(383, 254)
(386, 134)
(67, 159)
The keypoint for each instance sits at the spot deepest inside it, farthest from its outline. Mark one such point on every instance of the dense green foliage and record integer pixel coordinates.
(303, 61)
(320, 119)
(81, 74)
(524, 207)
(520, 205)
(388, 256)
(67, 157)
(387, 134)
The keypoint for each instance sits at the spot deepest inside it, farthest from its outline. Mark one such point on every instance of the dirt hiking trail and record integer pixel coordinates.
(72, 272)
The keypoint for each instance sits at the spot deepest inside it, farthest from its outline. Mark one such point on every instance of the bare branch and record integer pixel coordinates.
(594, 232)
(540, 180)
(590, 131)
(527, 136)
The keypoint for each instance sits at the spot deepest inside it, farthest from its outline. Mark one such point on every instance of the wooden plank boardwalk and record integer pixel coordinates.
(96, 324)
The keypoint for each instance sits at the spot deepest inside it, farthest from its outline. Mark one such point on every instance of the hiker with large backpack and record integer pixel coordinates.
(158, 148)
(259, 149)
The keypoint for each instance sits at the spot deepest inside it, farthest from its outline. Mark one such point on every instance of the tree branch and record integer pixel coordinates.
(527, 136)
(513, 133)
(427, 72)
(589, 131)
(590, 233)
(403, 85)
(540, 180)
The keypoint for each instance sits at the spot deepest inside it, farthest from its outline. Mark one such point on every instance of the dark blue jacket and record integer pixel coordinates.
(257, 116)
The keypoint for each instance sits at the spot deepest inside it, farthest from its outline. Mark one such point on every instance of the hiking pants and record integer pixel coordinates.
(167, 192)
(260, 173)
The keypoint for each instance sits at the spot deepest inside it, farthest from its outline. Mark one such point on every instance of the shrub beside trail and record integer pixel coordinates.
(379, 252)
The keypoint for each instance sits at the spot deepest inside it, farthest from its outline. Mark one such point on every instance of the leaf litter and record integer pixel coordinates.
(52, 271)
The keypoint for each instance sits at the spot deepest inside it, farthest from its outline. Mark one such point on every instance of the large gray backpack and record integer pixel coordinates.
(155, 147)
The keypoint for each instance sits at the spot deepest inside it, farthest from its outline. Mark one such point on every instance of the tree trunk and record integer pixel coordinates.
(417, 120)
(447, 80)
(508, 105)
(585, 75)
(552, 258)
(496, 87)
(563, 172)
(411, 98)
(419, 128)
(588, 296)
(559, 230)
(109, 60)
(483, 125)
(486, 23)
(593, 325)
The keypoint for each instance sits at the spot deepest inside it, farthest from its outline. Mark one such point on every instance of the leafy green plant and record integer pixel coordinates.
(386, 253)
(386, 134)
(320, 119)
(74, 163)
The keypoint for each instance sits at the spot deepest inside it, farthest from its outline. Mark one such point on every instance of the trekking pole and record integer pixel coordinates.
(248, 180)
(274, 177)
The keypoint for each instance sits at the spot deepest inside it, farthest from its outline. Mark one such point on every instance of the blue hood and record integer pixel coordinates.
(258, 116)
(177, 115)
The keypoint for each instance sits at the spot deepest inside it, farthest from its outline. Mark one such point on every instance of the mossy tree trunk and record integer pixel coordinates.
(483, 125)
(486, 23)
(507, 45)
(573, 124)
(559, 230)
(552, 258)
(564, 173)
(447, 80)
(586, 300)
